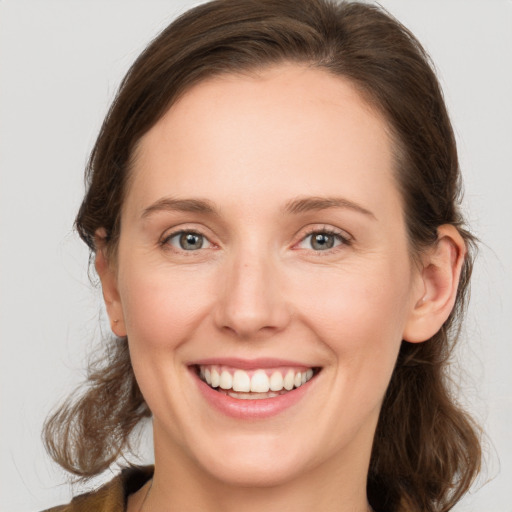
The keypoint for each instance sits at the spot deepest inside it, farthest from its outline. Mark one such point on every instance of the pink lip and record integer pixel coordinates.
(250, 409)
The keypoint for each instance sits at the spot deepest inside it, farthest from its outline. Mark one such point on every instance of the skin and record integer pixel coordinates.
(250, 145)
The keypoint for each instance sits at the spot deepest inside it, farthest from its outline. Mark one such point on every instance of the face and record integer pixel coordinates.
(263, 247)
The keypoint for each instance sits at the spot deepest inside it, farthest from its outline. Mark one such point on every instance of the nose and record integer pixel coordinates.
(251, 301)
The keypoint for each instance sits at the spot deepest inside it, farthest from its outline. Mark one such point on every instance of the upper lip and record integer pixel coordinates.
(249, 364)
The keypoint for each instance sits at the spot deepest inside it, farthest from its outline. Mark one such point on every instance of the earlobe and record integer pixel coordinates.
(108, 280)
(440, 274)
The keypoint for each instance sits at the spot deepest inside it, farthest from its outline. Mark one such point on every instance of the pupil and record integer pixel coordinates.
(322, 241)
(189, 241)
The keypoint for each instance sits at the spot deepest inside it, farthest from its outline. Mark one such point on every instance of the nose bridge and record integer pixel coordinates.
(252, 302)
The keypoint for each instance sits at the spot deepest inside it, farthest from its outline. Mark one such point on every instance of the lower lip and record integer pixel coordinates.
(251, 409)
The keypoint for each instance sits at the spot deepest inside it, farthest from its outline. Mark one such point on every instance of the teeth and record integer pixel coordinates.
(226, 381)
(215, 378)
(252, 396)
(276, 381)
(260, 382)
(241, 381)
(255, 384)
(289, 380)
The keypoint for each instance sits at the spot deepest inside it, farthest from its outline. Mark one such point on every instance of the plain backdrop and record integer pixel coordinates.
(60, 64)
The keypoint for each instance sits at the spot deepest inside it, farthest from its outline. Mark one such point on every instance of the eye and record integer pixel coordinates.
(188, 241)
(322, 240)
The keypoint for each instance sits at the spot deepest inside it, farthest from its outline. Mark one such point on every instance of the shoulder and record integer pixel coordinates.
(112, 496)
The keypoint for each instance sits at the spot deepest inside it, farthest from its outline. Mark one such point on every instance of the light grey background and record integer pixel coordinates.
(60, 64)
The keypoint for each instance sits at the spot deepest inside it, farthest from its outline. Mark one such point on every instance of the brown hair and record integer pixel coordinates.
(426, 451)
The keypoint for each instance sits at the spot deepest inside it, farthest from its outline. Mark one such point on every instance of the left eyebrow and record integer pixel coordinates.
(308, 204)
(170, 204)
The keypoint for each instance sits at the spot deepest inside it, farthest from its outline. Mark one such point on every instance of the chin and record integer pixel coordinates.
(243, 472)
(265, 463)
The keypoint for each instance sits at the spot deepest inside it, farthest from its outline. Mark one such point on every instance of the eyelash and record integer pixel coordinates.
(166, 245)
(341, 238)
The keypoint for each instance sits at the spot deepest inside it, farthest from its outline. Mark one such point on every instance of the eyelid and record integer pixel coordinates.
(176, 231)
(345, 238)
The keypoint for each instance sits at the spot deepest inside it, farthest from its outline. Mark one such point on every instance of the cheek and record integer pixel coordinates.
(161, 305)
(359, 312)
(163, 309)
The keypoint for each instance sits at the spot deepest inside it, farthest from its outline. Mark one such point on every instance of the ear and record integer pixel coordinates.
(437, 290)
(108, 278)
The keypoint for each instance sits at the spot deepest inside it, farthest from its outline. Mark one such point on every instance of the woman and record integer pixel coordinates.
(273, 214)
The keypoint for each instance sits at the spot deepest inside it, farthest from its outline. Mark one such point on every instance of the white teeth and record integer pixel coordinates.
(276, 381)
(215, 378)
(252, 396)
(289, 380)
(241, 381)
(259, 382)
(226, 380)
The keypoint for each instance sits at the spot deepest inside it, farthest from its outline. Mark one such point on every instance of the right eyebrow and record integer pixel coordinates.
(308, 204)
(170, 204)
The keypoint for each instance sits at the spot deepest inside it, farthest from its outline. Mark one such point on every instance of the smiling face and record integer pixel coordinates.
(262, 238)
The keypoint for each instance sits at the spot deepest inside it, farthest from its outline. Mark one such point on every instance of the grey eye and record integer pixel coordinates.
(191, 241)
(322, 241)
(188, 241)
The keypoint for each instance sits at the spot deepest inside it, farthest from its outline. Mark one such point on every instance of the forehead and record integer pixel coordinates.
(290, 129)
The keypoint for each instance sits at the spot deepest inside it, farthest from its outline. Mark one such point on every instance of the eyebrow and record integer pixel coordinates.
(308, 204)
(294, 207)
(182, 205)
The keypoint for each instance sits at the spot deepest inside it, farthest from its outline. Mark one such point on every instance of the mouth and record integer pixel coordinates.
(254, 384)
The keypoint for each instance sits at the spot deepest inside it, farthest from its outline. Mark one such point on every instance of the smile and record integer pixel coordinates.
(254, 384)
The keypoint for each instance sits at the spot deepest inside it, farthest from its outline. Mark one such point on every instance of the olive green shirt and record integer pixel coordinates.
(111, 497)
